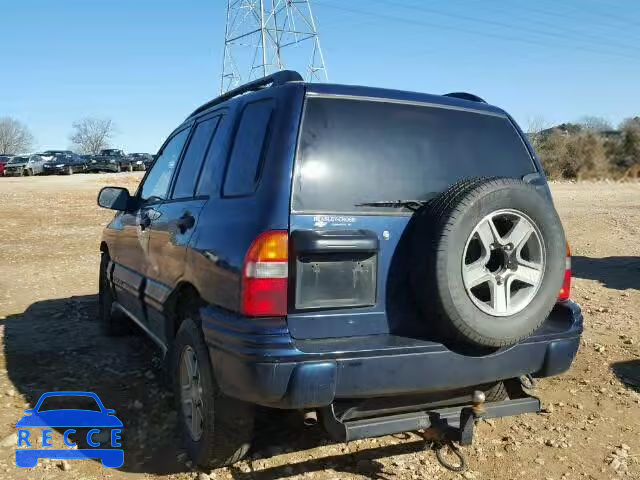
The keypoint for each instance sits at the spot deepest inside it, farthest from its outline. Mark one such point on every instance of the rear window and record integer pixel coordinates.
(352, 152)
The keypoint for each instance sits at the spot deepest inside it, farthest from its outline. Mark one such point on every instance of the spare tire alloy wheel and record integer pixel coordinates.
(503, 263)
(490, 257)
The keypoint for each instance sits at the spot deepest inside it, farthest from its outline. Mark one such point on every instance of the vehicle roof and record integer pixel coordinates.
(349, 91)
(401, 96)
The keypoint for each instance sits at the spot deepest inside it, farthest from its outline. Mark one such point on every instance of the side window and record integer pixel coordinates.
(193, 158)
(156, 184)
(209, 183)
(248, 148)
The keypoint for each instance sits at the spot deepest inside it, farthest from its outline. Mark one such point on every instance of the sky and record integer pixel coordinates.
(146, 64)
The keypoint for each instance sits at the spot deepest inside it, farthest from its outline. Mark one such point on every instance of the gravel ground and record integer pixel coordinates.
(49, 234)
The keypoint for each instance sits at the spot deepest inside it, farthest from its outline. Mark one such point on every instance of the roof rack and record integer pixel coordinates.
(465, 96)
(274, 80)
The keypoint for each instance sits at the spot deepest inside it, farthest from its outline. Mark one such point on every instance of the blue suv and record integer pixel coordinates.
(381, 260)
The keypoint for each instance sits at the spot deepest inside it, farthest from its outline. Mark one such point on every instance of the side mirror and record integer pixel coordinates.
(114, 198)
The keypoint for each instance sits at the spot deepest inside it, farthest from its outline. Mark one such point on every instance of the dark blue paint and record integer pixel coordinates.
(311, 357)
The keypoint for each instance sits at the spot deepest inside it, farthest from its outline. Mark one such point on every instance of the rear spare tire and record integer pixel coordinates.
(490, 260)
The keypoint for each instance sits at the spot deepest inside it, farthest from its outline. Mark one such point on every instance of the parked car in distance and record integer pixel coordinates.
(25, 166)
(4, 159)
(141, 161)
(63, 162)
(383, 260)
(110, 160)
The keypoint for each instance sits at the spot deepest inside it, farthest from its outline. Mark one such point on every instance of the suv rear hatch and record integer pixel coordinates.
(362, 167)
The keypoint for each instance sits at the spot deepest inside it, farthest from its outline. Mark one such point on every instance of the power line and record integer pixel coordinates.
(468, 30)
(528, 11)
(519, 28)
(599, 14)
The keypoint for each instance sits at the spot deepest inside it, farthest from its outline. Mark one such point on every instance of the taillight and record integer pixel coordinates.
(265, 274)
(565, 291)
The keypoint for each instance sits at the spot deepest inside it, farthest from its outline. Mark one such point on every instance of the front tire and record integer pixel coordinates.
(114, 324)
(217, 430)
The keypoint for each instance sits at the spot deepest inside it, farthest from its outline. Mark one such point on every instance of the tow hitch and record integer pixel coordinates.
(444, 424)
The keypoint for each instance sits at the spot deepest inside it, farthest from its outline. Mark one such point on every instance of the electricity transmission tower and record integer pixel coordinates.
(259, 33)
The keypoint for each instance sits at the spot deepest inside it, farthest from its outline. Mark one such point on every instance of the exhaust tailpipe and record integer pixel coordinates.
(310, 418)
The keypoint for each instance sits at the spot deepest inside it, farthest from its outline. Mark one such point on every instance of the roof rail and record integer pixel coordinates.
(465, 96)
(273, 80)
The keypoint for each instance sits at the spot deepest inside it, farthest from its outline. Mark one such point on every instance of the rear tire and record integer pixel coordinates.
(497, 393)
(114, 324)
(225, 431)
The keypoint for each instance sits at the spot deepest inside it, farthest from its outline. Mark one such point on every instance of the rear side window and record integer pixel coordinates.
(352, 152)
(248, 149)
(193, 158)
(209, 183)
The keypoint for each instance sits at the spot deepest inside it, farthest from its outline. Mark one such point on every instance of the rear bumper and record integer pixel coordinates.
(259, 362)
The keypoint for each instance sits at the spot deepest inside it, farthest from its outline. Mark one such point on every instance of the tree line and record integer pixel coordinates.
(589, 149)
(88, 136)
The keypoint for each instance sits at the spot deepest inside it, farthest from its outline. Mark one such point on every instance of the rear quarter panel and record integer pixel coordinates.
(228, 226)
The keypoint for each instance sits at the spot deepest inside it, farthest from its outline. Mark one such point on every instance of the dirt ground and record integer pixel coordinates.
(49, 234)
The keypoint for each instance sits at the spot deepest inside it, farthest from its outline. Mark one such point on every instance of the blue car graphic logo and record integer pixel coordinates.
(38, 417)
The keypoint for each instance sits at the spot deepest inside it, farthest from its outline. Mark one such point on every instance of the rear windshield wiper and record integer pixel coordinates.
(410, 204)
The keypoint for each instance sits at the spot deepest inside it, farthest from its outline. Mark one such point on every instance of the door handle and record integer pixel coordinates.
(336, 241)
(185, 222)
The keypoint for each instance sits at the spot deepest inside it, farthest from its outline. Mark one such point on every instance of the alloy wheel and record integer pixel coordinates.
(191, 393)
(503, 263)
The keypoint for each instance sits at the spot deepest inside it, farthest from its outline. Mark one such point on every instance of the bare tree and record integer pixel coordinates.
(630, 124)
(91, 135)
(595, 124)
(535, 126)
(15, 137)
